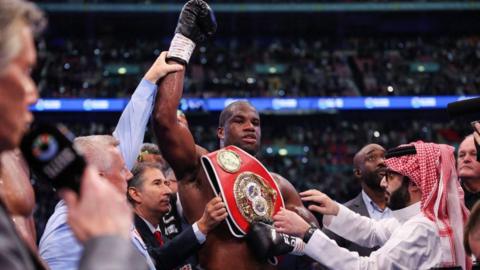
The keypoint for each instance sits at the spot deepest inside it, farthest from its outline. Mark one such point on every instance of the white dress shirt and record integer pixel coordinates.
(58, 245)
(408, 241)
(374, 211)
(141, 247)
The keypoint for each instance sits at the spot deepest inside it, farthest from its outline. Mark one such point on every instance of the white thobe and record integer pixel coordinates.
(408, 241)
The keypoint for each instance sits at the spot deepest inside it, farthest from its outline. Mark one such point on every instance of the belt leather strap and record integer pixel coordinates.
(249, 191)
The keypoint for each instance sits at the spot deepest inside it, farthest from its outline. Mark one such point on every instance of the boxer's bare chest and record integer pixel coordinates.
(221, 250)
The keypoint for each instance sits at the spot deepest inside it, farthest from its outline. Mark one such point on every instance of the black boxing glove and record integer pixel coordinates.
(265, 242)
(195, 24)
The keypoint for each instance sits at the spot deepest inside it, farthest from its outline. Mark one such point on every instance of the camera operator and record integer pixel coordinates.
(100, 218)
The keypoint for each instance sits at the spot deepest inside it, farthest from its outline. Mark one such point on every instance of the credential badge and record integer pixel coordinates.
(229, 161)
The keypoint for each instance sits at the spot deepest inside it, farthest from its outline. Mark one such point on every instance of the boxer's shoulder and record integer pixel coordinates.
(282, 182)
(200, 150)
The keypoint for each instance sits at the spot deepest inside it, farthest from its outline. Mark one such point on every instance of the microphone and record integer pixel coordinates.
(464, 107)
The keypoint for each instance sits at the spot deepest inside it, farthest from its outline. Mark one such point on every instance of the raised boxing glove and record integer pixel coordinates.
(195, 24)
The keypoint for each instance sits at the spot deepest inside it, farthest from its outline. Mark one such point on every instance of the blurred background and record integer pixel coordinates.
(328, 77)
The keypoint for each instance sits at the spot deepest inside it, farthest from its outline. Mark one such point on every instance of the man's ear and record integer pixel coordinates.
(134, 194)
(414, 190)
(357, 173)
(220, 133)
(412, 186)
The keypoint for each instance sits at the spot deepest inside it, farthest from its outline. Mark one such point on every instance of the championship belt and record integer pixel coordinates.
(249, 191)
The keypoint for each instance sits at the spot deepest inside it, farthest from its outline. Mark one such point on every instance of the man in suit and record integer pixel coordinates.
(99, 218)
(369, 169)
(114, 157)
(172, 222)
(422, 189)
(149, 193)
(468, 169)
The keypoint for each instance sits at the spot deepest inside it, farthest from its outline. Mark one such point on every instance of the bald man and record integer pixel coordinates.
(369, 169)
(468, 169)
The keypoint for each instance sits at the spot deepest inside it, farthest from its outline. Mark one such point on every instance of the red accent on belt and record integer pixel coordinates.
(223, 182)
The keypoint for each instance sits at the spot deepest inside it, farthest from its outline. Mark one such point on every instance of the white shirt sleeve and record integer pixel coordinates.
(141, 247)
(198, 234)
(132, 124)
(412, 246)
(361, 230)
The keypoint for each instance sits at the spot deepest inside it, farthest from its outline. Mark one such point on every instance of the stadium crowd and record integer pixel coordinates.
(365, 66)
(224, 1)
(179, 203)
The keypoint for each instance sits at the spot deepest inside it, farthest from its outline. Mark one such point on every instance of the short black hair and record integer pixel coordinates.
(227, 111)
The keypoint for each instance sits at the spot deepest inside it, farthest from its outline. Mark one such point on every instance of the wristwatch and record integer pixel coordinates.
(308, 234)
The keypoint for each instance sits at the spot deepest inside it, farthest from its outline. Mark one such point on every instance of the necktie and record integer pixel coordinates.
(158, 236)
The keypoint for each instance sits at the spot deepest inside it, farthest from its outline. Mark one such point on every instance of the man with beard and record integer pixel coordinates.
(369, 169)
(239, 131)
(427, 203)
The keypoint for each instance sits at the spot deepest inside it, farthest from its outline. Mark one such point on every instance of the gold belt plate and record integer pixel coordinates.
(254, 198)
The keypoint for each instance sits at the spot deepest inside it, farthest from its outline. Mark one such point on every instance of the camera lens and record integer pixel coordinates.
(44, 147)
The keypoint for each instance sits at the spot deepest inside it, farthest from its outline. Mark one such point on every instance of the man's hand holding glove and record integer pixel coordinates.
(265, 242)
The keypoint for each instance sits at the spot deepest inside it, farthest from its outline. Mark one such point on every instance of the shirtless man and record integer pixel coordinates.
(239, 125)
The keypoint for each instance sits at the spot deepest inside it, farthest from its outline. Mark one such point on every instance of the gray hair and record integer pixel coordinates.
(14, 13)
(137, 179)
(95, 149)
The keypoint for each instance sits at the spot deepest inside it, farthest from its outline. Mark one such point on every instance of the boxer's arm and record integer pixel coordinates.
(132, 124)
(292, 199)
(196, 22)
(174, 139)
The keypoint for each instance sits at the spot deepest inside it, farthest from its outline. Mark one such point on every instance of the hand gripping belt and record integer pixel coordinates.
(249, 191)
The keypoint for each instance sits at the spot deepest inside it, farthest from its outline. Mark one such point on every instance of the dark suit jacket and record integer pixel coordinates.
(14, 254)
(171, 224)
(174, 252)
(356, 205)
(470, 198)
(107, 252)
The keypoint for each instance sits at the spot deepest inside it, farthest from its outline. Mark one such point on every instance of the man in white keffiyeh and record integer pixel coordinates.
(432, 169)
(426, 231)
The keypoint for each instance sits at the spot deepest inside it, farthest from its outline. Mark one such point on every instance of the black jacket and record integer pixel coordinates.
(174, 252)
